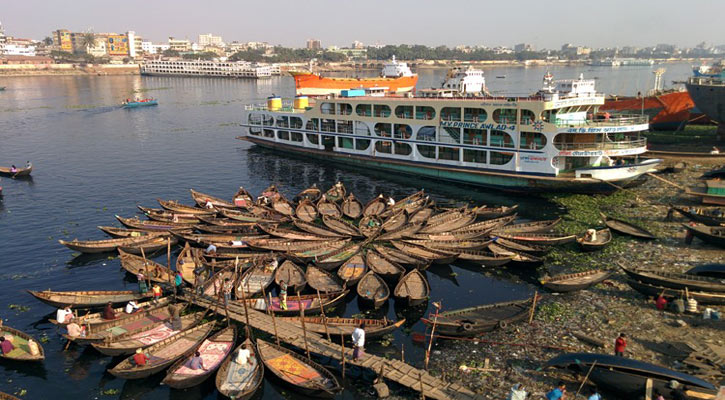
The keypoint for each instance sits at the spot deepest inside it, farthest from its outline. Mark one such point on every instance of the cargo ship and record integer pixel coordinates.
(709, 97)
(396, 77)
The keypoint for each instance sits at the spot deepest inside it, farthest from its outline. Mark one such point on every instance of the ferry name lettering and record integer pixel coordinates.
(477, 125)
(611, 129)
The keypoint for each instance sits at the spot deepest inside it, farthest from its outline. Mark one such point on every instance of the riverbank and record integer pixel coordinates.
(9, 70)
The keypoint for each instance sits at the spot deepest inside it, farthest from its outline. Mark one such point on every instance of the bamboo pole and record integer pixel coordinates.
(665, 181)
(146, 268)
(246, 310)
(324, 317)
(533, 307)
(172, 278)
(402, 352)
(432, 332)
(302, 320)
(342, 353)
(271, 312)
(585, 378)
(422, 391)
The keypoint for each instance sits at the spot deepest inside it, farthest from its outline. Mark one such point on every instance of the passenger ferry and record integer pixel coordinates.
(554, 140)
(209, 68)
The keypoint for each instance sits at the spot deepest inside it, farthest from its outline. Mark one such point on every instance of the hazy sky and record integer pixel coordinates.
(543, 23)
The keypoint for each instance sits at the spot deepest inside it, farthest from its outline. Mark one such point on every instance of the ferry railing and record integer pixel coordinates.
(705, 80)
(624, 120)
(623, 144)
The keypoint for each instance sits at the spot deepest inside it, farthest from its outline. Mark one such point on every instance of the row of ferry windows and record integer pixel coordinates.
(500, 115)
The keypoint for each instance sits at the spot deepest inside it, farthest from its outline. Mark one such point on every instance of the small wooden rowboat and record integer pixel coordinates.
(601, 239)
(530, 227)
(19, 172)
(526, 247)
(160, 214)
(254, 281)
(102, 246)
(323, 281)
(421, 216)
(149, 246)
(351, 207)
(669, 293)
(91, 319)
(577, 281)
(300, 374)
(287, 245)
(708, 234)
(312, 193)
(374, 207)
(373, 289)
(394, 222)
(374, 328)
(341, 226)
(21, 343)
(370, 226)
(124, 324)
(384, 267)
(449, 224)
(177, 207)
(437, 256)
(335, 259)
(213, 350)
(306, 211)
(328, 207)
(676, 280)
(321, 251)
(249, 229)
(232, 241)
(450, 245)
(246, 216)
(485, 258)
(400, 257)
(163, 353)
(414, 201)
(301, 235)
(516, 256)
(283, 206)
(413, 288)
(352, 270)
(626, 228)
(237, 381)
(292, 275)
(227, 223)
(242, 198)
(494, 212)
(406, 230)
(489, 225)
(150, 269)
(135, 223)
(5, 396)
(86, 299)
(310, 303)
(120, 233)
(188, 260)
(445, 215)
(540, 239)
(702, 216)
(336, 193)
(472, 321)
(204, 200)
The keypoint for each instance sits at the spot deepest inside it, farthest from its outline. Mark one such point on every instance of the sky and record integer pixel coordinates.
(542, 23)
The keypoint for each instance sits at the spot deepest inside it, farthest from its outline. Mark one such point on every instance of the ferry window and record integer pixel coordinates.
(364, 110)
(283, 122)
(427, 133)
(532, 140)
(425, 112)
(404, 112)
(328, 125)
(268, 120)
(362, 144)
(448, 153)
(255, 131)
(313, 124)
(450, 114)
(344, 126)
(527, 117)
(401, 131)
(295, 122)
(269, 133)
(474, 115)
(345, 109)
(450, 135)
(501, 139)
(296, 136)
(382, 129)
(361, 128)
(477, 156)
(381, 110)
(403, 149)
(505, 115)
(255, 119)
(498, 158)
(383, 147)
(474, 136)
(327, 108)
(427, 151)
(284, 135)
(312, 138)
(549, 115)
(345, 142)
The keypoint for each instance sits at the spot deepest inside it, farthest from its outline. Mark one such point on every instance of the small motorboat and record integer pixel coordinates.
(139, 103)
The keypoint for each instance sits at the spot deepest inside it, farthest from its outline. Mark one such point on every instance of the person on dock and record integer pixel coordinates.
(620, 345)
(358, 341)
(178, 280)
(64, 315)
(199, 279)
(517, 392)
(108, 313)
(227, 290)
(391, 201)
(140, 359)
(131, 307)
(243, 355)
(283, 294)
(175, 317)
(557, 393)
(157, 292)
(196, 362)
(6, 345)
(142, 287)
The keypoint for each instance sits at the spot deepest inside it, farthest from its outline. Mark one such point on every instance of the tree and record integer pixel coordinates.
(48, 41)
(207, 55)
(88, 40)
(170, 53)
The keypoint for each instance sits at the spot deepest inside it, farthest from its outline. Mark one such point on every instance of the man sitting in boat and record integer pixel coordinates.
(196, 362)
(13, 169)
(132, 307)
(140, 359)
(63, 315)
(243, 355)
(6, 345)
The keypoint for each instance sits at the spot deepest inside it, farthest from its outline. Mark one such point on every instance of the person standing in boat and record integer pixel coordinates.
(142, 288)
(358, 341)
(620, 344)
(199, 279)
(64, 315)
(283, 295)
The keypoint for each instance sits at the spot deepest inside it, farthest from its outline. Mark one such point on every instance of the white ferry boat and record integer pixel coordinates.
(554, 140)
(225, 69)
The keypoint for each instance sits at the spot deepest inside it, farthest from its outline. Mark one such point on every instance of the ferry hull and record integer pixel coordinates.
(710, 99)
(315, 85)
(502, 181)
(668, 111)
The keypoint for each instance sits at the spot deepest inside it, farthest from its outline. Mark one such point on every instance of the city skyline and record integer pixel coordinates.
(491, 25)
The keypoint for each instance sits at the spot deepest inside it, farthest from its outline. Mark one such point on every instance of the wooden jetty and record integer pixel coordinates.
(393, 370)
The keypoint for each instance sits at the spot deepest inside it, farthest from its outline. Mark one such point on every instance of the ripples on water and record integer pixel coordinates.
(93, 160)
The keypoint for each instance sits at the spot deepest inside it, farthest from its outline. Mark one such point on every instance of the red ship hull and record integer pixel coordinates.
(667, 111)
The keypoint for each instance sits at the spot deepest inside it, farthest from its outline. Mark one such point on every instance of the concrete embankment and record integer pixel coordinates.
(68, 69)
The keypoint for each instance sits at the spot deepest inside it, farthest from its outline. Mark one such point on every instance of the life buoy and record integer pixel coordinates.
(503, 324)
(467, 326)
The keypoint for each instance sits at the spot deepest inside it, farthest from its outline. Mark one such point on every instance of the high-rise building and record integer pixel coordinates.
(314, 44)
(521, 47)
(62, 40)
(210, 40)
(181, 45)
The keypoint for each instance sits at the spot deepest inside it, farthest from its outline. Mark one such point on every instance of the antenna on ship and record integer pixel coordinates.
(658, 86)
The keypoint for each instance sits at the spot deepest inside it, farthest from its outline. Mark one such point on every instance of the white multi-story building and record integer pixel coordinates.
(210, 40)
(148, 47)
(12, 49)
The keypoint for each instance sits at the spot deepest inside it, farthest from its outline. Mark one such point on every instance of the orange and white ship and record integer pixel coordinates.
(396, 77)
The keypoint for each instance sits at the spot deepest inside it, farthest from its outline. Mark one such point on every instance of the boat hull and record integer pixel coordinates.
(667, 111)
(309, 84)
(708, 98)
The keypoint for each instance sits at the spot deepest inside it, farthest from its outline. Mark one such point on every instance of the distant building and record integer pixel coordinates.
(180, 45)
(361, 53)
(571, 50)
(62, 40)
(357, 45)
(522, 47)
(665, 48)
(314, 44)
(629, 50)
(210, 40)
(148, 47)
(9, 59)
(501, 50)
(21, 47)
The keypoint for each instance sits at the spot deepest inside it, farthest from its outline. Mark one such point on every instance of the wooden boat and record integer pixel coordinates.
(418, 204)
(240, 382)
(340, 226)
(516, 256)
(152, 270)
(228, 230)
(306, 210)
(135, 223)
(203, 199)
(149, 246)
(421, 216)
(245, 216)
(227, 223)
(286, 245)
(312, 194)
(145, 336)
(450, 224)
(451, 236)
(370, 225)
(701, 216)
(602, 238)
(336, 193)
(526, 247)
(626, 228)
(353, 269)
(242, 198)
(406, 230)
(90, 319)
(86, 299)
(5, 396)
(628, 377)
(414, 201)
(490, 224)
(21, 351)
(708, 234)
(319, 252)
(269, 195)
(445, 215)
(373, 289)
(164, 353)
(400, 257)
(704, 194)
(283, 206)
(214, 350)
(384, 267)
(233, 241)
(437, 256)
(334, 260)
(413, 288)
(231, 254)
(351, 207)
(472, 321)
(312, 232)
(676, 280)
(177, 207)
(321, 280)
(102, 246)
(485, 258)
(375, 207)
(254, 281)
(711, 270)
(395, 221)
(241, 264)
(120, 233)
(160, 214)
(374, 328)
(19, 173)
(328, 207)
(450, 245)
(669, 293)
(299, 374)
(213, 286)
(188, 260)
(310, 303)
(529, 227)
(576, 281)
(494, 212)
(540, 239)
(123, 325)
(292, 275)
